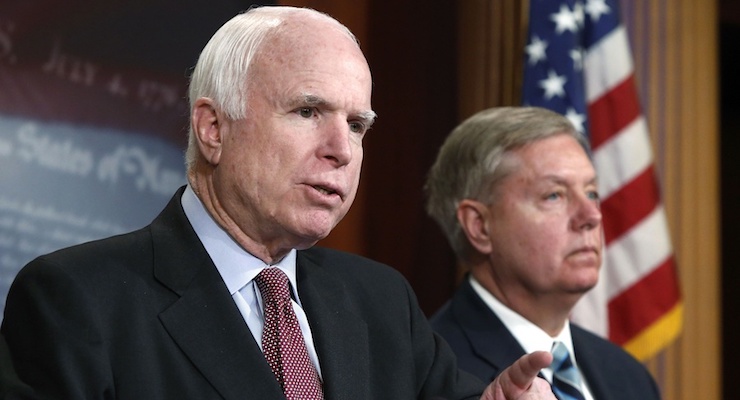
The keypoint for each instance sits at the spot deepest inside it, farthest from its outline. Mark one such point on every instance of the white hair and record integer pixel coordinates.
(222, 70)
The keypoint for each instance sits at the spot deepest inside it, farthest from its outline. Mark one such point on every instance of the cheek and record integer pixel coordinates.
(357, 155)
(355, 166)
(541, 239)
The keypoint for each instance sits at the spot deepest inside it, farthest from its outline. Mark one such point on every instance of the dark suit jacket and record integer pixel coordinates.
(485, 347)
(146, 315)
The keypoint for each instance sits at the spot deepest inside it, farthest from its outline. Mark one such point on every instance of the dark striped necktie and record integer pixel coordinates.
(566, 380)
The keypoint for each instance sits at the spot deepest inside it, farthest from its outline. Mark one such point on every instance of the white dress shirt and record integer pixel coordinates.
(238, 268)
(530, 336)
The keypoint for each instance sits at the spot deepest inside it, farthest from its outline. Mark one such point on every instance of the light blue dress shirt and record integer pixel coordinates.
(238, 268)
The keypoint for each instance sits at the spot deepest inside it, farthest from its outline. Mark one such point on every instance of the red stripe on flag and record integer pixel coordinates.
(643, 303)
(626, 207)
(612, 112)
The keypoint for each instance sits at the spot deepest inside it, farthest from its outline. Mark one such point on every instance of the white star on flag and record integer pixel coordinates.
(553, 85)
(565, 20)
(536, 50)
(597, 8)
(576, 119)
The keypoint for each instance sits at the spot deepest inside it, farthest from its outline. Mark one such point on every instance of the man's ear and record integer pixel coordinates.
(207, 126)
(473, 218)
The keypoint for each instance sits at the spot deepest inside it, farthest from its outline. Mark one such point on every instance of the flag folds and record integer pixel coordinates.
(578, 62)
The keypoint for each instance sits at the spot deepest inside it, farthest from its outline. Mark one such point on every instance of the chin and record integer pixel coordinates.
(587, 284)
(585, 280)
(317, 225)
(309, 237)
(586, 288)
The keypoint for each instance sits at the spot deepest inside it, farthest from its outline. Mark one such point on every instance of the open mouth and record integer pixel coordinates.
(325, 190)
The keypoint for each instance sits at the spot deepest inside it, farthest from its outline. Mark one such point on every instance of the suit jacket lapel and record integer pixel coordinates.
(204, 322)
(589, 363)
(340, 335)
(488, 336)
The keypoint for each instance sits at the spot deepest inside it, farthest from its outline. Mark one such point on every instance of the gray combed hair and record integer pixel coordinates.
(470, 162)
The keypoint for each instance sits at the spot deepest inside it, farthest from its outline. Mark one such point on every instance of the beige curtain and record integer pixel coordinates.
(675, 51)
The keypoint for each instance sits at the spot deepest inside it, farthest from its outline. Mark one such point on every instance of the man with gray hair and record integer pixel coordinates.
(515, 192)
(223, 295)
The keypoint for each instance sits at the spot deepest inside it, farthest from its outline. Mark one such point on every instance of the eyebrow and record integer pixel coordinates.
(559, 180)
(368, 117)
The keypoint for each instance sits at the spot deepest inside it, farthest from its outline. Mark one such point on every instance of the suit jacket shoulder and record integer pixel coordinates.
(143, 315)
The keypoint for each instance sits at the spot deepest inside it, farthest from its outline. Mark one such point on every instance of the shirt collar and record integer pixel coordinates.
(530, 336)
(237, 266)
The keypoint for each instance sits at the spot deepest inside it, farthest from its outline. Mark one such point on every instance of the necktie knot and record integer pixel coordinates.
(566, 380)
(274, 285)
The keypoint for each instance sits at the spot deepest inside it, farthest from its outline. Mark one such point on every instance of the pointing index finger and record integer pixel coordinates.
(524, 370)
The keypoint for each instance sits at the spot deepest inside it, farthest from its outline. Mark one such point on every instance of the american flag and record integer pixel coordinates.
(578, 63)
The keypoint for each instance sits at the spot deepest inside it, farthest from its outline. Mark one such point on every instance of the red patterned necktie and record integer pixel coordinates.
(282, 340)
